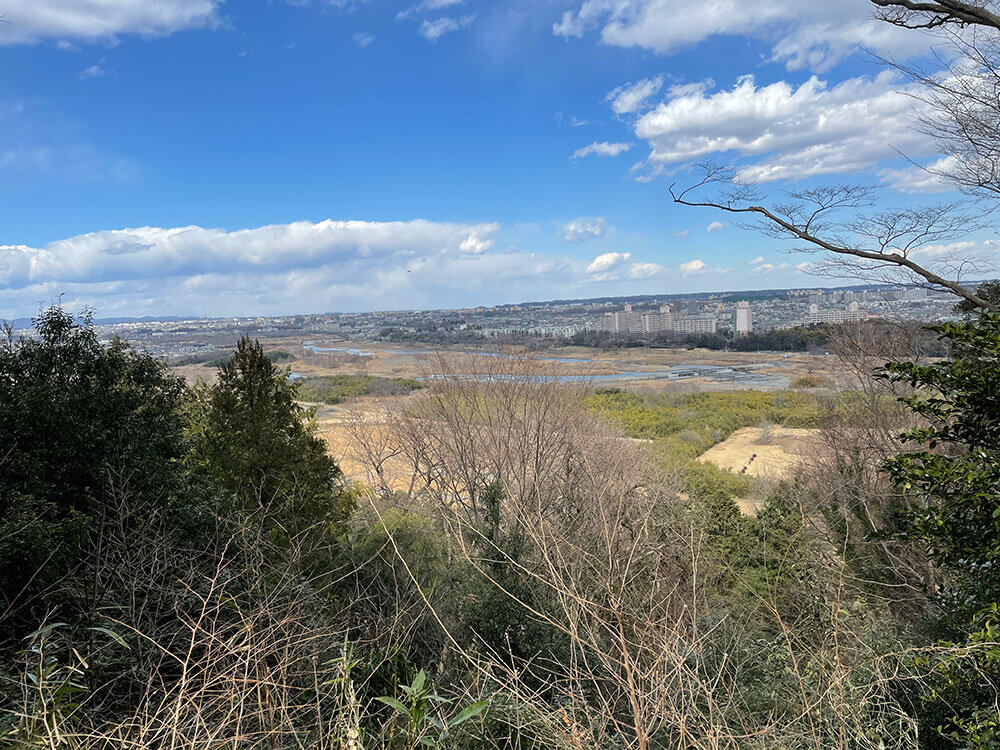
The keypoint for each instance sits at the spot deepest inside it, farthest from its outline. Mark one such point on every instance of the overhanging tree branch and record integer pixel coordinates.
(914, 14)
(896, 234)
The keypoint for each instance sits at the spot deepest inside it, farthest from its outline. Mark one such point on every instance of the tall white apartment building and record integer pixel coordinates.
(743, 319)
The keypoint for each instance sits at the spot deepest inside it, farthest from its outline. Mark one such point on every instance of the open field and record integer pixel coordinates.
(767, 452)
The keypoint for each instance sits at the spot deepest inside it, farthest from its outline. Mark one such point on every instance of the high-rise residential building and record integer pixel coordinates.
(743, 319)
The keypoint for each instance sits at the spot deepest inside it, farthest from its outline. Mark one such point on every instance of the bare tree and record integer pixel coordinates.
(958, 107)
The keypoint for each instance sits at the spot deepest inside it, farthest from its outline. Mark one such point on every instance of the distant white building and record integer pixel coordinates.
(852, 314)
(696, 324)
(743, 319)
(643, 322)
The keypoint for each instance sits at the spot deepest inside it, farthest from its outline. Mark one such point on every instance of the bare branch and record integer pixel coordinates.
(894, 236)
(913, 14)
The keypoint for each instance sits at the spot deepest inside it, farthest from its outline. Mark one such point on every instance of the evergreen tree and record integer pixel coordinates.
(262, 449)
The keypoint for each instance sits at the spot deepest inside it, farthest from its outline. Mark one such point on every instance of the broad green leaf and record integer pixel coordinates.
(468, 712)
(395, 704)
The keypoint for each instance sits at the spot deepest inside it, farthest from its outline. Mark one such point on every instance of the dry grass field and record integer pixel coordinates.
(620, 368)
(770, 453)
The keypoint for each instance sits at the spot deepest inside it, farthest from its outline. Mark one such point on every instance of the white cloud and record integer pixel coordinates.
(763, 269)
(645, 270)
(692, 267)
(715, 226)
(969, 255)
(682, 233)
(363, 39)
(427, 5)
(632, 97)
(478, 242)
(434, 30)
(792, 132)
(584, 229)
(917, 179)
(758, 259)
(802, 35)
(94, 71)
(31, 21)
(153, 252)
(607, 261)
(301, 267)
(602, 149)
(570, 120)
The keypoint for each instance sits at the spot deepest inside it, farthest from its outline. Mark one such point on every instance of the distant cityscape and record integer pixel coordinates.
(727, 313)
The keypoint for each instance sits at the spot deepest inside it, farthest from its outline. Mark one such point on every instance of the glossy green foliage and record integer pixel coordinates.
(953, 476)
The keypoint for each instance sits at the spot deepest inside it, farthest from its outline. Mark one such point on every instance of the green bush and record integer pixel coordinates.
(335, 389)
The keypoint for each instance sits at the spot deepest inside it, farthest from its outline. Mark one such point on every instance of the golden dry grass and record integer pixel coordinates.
(774, 453)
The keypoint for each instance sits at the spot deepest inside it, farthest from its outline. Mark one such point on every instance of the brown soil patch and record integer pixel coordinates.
(772, 453)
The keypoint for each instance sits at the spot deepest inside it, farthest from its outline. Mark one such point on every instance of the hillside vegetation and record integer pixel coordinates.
(187, 567)
(335, 389)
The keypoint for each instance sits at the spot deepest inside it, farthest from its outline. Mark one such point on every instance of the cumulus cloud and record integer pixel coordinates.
(477, 243)
(602, 149)
(35, 20)
(434, 30)
(802, 35)
(299, 267)
(632, 97)
(790, 132)
(607, 261)
(715, 226)
(192, 257)
(692, 267)
(584, 229)
(758, 259)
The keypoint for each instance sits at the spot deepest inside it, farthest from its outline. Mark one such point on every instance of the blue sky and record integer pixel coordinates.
(253, 157)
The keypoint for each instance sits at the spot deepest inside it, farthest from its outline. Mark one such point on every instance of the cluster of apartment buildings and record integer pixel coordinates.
(852, 314)
(666, 321)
